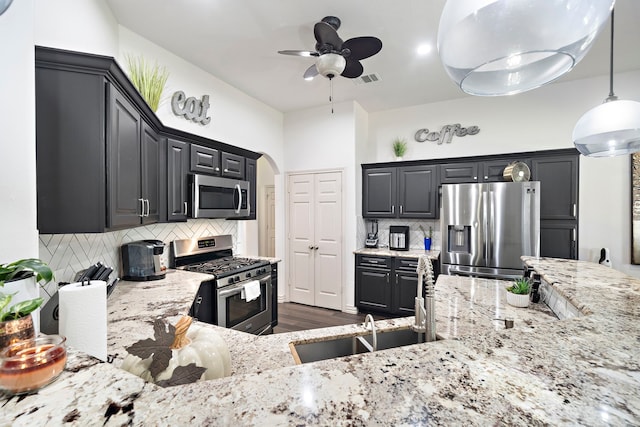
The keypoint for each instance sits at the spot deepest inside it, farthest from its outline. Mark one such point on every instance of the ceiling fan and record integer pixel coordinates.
(334, 56)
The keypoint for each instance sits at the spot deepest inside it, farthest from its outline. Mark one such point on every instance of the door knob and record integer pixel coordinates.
(311, 247)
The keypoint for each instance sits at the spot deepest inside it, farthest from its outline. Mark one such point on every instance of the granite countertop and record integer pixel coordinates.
(411, 253)
(583, 370)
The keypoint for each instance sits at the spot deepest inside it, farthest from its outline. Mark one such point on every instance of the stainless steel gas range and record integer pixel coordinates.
(239, 296)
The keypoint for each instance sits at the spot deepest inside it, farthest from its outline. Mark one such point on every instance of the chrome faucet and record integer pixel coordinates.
(425, 318)
(369, 323)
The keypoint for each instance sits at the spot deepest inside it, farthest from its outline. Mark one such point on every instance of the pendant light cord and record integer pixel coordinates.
(331, 93)
(612, 96)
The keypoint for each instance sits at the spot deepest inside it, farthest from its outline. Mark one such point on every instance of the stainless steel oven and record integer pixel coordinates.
(231, 298)
(236, 311)
(215, 197)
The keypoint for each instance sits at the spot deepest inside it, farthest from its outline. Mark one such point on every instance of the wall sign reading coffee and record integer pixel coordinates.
(446, 133)
(191, 108)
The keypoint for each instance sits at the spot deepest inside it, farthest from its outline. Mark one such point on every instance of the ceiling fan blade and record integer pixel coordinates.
(362, 47)
(307, 53)
(311, 72)
(326, 34)
(353, 69)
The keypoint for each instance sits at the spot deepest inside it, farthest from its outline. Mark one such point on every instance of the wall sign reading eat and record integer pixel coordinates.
(446, 133)
(191, 108)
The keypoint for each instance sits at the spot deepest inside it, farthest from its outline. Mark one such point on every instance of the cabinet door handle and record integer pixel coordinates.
(486, 177)
(388, 278)
(148, 209)
(185, 208)
(217, 169)
(226, 170)
(475, 178)
(574, 234)
(575, 209)
(141, 208)
(397, 278)
(400, 209)
(393, 208)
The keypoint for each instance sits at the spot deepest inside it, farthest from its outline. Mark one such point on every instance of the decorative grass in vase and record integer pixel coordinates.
(148, 79)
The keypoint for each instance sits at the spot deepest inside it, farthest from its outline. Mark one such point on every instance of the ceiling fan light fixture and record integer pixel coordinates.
(504, 47)
(331, 64)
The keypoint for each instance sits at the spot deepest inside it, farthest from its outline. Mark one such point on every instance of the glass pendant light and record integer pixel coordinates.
(612, 128)
(503, 47)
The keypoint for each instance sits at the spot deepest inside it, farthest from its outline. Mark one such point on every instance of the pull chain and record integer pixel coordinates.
(331, 93)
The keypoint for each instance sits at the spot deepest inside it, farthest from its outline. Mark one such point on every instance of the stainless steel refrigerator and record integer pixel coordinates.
(486, 228)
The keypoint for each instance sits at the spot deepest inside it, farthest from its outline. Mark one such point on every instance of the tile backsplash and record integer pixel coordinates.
(67, 254)
(416, 238)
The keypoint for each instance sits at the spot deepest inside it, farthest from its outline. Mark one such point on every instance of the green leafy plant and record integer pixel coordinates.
(19, 270)
(399, 147)
(520, 286)
(148, 79)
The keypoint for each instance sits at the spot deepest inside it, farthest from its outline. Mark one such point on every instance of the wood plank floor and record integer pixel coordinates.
(298, 317)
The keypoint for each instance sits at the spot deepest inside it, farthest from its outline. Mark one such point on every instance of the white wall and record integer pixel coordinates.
(537, 120)
(315, 139)
(83, 26)
(18, 233)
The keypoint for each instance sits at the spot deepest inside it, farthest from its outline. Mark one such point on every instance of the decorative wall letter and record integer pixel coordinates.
(191, 108)
(446, 133)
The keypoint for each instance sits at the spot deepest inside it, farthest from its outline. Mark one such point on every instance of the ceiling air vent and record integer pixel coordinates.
(368, 78)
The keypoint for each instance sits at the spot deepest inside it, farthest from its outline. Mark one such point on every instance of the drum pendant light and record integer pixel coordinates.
(612, 128)
(503, 47)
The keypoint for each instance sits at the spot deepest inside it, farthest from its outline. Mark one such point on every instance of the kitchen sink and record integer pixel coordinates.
(351, 345)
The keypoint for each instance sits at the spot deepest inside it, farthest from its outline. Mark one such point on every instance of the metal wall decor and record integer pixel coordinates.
(446, 133)
(191, 108)
(635, 208)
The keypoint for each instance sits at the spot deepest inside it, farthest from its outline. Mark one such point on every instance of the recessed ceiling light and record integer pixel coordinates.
(424, 49)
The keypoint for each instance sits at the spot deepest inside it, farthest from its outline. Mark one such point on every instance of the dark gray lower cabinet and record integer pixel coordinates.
(388, 284)
(274, 295)
(177, 186)
(373, 283)
(558, 239)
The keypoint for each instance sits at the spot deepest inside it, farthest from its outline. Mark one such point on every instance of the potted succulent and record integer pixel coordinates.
(20, 279)
(427, 238)
(399, 148)
(518, 293)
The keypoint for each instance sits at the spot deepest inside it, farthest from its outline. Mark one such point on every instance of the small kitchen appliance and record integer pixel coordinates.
(372, 234)
(239, 294)
(142, 260)
(399, 237)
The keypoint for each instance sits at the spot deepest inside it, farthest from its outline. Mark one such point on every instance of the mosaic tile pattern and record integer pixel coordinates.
(69, 253)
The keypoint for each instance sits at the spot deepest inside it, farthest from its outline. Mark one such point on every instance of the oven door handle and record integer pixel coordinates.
(239, 190)
(236, 288)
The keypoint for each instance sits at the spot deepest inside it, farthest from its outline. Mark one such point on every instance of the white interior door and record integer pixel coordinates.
(315, 239)
(301, 239)
(328, 240)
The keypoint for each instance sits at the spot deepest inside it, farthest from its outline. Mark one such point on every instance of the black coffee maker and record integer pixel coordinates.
(142, 260)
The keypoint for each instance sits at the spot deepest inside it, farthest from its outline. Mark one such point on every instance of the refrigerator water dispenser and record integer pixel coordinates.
(459, 238)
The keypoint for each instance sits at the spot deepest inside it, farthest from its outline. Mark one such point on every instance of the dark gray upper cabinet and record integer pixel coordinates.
(493, 170)
(456, 173)
(102, 157)
(134, 160)
(177, 186)
(558, 178)
(379, 191)
(150, 153)
(205, 160)
(126, 206)
(403, 192)
(232, 165)
(251, 169)
(559, 239)
(417, 192)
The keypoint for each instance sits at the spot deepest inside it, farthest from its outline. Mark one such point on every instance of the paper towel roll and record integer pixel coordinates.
(83, 317)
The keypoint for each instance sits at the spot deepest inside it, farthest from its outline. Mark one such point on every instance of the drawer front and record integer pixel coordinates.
(406, 264)
(205, 160)
(374, 261)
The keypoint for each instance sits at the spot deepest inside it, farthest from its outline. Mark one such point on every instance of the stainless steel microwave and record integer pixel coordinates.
(215, 197)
